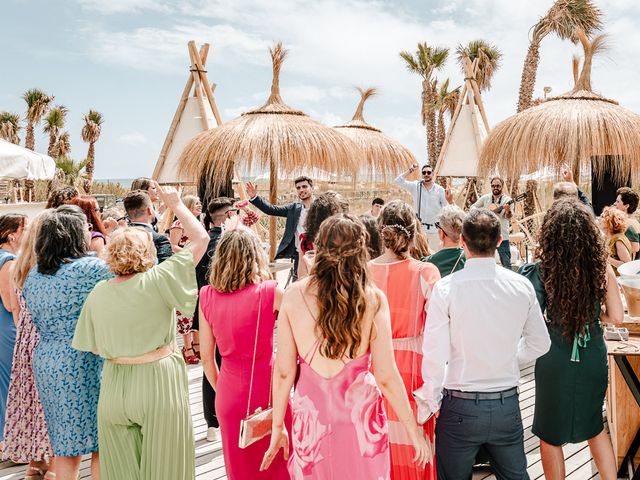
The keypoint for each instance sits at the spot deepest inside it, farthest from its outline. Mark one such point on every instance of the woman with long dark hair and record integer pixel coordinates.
(336, 323)
(68, 381)
(572, 281)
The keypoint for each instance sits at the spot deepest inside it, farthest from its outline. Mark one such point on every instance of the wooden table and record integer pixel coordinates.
(623, 403)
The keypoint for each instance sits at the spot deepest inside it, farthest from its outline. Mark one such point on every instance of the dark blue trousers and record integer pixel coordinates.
(504, 252)
(465, 425)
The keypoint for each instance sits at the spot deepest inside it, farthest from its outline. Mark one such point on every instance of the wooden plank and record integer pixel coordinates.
(210, 461)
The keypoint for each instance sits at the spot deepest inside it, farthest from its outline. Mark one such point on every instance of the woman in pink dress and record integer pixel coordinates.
(240, 308)
(336, 322)
(407, 283)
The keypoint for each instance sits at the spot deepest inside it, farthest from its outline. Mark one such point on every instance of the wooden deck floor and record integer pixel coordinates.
(210, 463)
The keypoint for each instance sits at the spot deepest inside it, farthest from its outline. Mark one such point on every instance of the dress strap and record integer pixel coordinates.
(312, 352)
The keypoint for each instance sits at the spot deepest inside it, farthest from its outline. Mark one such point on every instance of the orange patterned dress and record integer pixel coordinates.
(407, 284)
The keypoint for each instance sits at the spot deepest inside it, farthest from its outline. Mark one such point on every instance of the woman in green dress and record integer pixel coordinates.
(144, 421)
(572, 281)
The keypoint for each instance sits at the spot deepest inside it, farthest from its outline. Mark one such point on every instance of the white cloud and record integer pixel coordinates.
(133, 139)
(111, 7)
(165, 50)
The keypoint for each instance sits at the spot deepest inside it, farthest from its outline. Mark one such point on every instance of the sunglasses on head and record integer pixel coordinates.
(437, 224)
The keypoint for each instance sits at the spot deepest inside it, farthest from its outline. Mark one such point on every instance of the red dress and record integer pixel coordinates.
(233, 319)
(407, 285)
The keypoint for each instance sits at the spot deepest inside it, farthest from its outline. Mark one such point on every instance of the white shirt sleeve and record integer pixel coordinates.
(479, 203)
(443, 198)
(404, 183)
(436, 349)
(535, 340)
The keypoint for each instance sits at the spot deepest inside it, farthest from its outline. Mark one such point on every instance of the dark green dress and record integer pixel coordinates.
(448, 260)
(571, 379)
(633, 237)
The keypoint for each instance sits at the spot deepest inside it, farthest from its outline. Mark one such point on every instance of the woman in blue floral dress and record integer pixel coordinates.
(68, 381)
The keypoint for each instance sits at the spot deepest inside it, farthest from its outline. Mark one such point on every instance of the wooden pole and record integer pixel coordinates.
(198, 89)
(273, 198)
(204, 52)
(205, 83)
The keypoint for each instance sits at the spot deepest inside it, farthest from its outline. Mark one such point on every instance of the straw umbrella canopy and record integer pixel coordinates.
(579, 129)
(381, 153)
(274, 137)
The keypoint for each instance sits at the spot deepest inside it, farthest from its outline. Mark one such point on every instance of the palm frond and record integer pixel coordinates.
(566, 15)
(37, 104)
(55, 119)
(488, 58)
(63, 145)
(92, 126)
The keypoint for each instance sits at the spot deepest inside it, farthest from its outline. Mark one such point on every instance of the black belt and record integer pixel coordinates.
(428, 225)
(481, 395)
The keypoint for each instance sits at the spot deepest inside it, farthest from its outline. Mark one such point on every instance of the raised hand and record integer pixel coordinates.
(168, 195)
(448, 195)
(252, 189)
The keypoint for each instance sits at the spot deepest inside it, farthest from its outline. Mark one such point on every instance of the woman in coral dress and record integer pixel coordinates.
(336, 322)
(407, 284)
(240, 308)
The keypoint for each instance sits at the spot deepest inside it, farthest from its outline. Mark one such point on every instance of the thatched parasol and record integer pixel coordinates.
(381, 153)
(575, 129)
(274, 137)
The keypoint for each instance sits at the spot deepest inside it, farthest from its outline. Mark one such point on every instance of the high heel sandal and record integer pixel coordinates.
(190, 359)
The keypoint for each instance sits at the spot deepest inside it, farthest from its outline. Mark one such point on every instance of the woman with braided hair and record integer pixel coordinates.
(336, 323)
(407, 284)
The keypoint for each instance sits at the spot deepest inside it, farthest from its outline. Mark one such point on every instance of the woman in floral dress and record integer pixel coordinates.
(339, 422)
(26, 438)
(178, 239)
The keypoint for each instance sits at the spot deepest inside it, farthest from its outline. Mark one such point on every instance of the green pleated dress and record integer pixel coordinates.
(144, 419)
(571, 379)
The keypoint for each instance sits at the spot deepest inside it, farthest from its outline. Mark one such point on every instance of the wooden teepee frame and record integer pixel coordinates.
(470, 95)
(202, 90)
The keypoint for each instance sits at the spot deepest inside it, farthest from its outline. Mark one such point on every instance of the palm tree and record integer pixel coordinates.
(37, 105)
(9, 127)
(72, 171)
(425, 62)
(53, 122)
(488, 57)
(63, 145)
(91, 133)
(562, 19)
(446, 102)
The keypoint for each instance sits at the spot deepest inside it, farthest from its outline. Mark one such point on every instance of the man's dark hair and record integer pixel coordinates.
(426, 165)
(218, 204)
(136, 203)
(377, 201)
(628, 197)
(481, 231)
(61, 237)
(141, 183)
(303, 178)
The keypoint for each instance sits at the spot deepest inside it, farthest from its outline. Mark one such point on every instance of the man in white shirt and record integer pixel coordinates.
(484, 323)
(428, 200)
(500, 204)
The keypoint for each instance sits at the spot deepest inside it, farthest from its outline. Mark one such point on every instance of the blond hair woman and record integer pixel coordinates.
(26, 437)
(144, 419)
(239, 309)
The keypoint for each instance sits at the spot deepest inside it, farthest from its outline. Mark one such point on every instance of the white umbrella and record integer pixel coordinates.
(21, 163)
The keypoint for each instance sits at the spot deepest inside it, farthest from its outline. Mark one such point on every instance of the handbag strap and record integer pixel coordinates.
(255, 347)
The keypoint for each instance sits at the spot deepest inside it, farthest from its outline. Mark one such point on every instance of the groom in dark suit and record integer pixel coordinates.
(295, 213)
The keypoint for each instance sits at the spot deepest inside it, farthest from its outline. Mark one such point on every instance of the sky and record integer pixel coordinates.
(128, 59)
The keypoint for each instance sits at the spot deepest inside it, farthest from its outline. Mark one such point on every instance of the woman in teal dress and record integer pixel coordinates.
(572, 280)
(11, 228)
(144, 421)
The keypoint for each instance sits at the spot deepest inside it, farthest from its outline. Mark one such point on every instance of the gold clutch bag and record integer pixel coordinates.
(255, 427)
